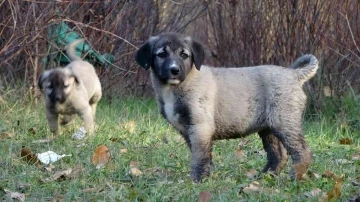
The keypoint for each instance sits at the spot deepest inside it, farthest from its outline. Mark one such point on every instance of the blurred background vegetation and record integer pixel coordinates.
(234, 33)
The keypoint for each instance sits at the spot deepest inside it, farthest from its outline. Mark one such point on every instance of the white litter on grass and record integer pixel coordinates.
(80, 134)
(49, 157)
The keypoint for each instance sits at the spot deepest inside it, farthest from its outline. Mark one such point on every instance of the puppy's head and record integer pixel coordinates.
(57, 84)
(171, 56)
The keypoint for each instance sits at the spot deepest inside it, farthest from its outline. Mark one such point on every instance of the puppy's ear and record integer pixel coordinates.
(198, 53)
(42, 78)
(76, 79)
(143, 56)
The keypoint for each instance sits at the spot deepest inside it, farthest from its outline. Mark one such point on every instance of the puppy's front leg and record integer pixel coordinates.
(52, 118)
(87, 117)
(201, 145)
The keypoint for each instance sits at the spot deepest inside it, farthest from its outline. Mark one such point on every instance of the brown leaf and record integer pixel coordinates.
(252, 188)
(346, 141)
(239, 153)
(49, 168)
(252, 173)
(29, 156)
(6, 135)
(71, 173)
(134, 168)
(204, 196)
(101, 156)
(76, 171)
(32, 130)
(335, 192)
(114, 139)
(331, 175)
(123, 151)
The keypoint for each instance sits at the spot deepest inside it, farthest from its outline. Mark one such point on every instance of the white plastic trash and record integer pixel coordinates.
(49, 157)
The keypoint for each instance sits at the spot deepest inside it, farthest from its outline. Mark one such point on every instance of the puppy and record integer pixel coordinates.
(205, 103)
(74, 89)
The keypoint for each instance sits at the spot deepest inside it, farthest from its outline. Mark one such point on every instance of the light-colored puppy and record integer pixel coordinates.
(206, 104)
(74, 89)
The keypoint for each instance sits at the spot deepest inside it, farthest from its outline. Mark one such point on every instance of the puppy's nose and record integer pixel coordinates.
(174, 70)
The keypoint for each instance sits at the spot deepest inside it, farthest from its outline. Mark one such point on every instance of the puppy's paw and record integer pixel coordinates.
(80, 134)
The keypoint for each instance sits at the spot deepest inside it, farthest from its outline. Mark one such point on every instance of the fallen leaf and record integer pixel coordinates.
(356, 157)
(255, 187)
(134, 170)
(91, 190)
(6, 135)
(239, 153)
(101, 156)
(327, 91)
(32, 130)
(76, 171)
(71, 173)
(331, 175)
(49, 168)
(58, 176)
(346, 141)
(204, 196)
(130, 126)
(313, 193)
(335, 192)
(29, 157)
(114, 139)
(134, 164)
(252, 173)
(17, 196)
(123, 151)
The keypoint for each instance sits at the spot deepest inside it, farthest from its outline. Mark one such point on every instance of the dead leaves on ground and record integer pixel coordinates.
(204, 196)
(29, 156)
(101, 156)
(12, 195)
(70, 173)
(134, 169)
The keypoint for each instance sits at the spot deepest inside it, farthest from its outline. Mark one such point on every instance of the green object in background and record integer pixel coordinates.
(63, 35)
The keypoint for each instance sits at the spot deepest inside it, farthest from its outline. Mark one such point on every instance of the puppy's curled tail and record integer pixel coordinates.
(70, 50)
(306, 67)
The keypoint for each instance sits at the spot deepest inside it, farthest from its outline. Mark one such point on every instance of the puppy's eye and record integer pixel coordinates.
(66, 86)
(162, 54)
(184, 55)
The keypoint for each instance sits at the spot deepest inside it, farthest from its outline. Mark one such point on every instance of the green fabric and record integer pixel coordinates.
(62, 34)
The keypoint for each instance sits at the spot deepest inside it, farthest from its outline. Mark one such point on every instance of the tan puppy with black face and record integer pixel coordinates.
(74, 89)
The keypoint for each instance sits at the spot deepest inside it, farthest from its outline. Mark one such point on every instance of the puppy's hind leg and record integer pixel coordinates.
(276, 152)
(294, 141)
(52, 119)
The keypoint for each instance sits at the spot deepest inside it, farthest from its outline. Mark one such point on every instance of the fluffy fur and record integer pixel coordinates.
(74, 89)
(205, 103)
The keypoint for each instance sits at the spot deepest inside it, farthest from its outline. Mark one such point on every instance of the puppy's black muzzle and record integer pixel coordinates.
(57, 96)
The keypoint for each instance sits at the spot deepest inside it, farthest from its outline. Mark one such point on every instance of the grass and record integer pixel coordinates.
(163, 158)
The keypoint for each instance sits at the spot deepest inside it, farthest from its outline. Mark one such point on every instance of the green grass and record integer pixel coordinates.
(165, 163)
